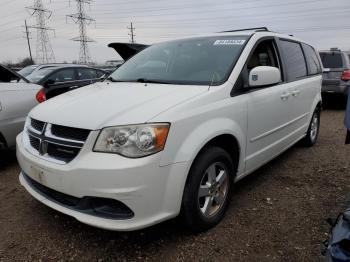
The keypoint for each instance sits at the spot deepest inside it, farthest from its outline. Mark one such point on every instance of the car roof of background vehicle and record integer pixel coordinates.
(4, 69)
(332, 51)
(60, 64)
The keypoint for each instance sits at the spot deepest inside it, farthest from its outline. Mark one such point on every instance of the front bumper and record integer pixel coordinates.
(153, 193)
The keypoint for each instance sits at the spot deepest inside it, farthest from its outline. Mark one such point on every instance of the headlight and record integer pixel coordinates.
(134, 140)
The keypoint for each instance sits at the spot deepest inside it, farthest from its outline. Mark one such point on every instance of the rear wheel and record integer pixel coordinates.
(208, 189)
(314, 128)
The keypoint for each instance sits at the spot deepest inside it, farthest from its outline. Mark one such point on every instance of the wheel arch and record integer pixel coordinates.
(229, 143)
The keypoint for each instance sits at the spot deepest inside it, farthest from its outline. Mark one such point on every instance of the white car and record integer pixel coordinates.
(17, 98)
(172, 129)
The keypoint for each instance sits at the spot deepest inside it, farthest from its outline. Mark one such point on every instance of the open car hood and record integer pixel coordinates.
(127, 50)
(8, 75)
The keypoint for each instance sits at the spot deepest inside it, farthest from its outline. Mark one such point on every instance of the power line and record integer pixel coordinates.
(82, 20)
(134, 10)
(44, 51)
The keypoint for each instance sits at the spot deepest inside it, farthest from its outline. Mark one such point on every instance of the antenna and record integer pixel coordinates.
(131, 34)
(44, 52)
(82, 20)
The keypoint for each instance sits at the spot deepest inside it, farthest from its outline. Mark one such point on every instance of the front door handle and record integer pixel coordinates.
(285, 96)
(296, 92)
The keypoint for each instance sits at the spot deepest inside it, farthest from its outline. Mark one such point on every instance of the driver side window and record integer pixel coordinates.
(264, 54)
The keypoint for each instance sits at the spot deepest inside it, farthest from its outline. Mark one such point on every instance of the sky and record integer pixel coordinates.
(322, 23)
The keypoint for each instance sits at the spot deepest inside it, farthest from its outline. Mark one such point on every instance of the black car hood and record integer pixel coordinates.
(127, 50)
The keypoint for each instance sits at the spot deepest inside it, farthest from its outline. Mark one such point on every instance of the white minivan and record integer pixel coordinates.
(172, 129)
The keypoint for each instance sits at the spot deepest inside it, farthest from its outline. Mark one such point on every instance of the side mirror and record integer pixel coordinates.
(49, 82)
(264, 76)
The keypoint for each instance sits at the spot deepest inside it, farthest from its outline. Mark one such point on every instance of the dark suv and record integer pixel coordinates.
(336, 73)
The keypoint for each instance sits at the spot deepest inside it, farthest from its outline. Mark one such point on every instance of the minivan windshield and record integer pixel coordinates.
(195, 61)
(331, 59)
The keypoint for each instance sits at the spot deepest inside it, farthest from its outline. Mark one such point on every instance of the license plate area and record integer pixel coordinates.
(37, 174)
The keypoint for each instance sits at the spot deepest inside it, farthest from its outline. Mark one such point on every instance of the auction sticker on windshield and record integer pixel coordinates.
(229, 42)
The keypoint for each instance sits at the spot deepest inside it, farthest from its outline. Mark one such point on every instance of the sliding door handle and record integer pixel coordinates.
(296, 92)
(285, 96)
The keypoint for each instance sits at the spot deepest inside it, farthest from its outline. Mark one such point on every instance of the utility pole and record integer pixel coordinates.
(27, 34)
(44, 52)
(82, 20)
(131, 34)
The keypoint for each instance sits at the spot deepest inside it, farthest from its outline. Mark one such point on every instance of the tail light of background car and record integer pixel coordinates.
(345, 75)
(40, 96)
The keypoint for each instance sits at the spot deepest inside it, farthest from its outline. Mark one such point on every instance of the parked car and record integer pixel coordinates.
(336, 76)
(33, 68)
(58, 80)
(17, 98)
(172, 129)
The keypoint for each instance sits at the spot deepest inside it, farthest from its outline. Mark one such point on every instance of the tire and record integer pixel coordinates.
(203, 212)
(312, 133)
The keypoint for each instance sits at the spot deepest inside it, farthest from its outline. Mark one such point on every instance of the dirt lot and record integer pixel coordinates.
(305, 186)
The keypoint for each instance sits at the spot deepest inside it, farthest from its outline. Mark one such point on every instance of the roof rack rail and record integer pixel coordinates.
(256, 29)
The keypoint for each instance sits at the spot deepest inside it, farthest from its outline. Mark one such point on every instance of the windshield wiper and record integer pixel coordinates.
(145, 80)
(113, 80)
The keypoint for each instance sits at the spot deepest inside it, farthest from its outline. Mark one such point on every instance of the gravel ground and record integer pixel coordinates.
(276, 214)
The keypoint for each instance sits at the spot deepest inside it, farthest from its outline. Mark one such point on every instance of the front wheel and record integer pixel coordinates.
(314, 128)
(208, 189)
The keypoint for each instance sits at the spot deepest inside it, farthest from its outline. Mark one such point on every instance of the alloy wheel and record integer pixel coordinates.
(213, 189)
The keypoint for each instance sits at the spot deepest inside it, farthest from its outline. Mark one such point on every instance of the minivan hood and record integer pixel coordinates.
(110, 104)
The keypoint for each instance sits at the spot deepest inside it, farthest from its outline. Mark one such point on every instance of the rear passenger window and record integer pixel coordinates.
(313, 63)
(86, 73)
(294, 60)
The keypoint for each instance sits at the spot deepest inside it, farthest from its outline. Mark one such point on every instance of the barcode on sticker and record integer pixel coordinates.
(229, 42)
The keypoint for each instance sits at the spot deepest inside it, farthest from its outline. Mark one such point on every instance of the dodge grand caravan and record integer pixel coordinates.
(172, 129)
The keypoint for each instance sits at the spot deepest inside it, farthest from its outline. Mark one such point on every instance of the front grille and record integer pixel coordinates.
(55, 142)
(34, 142)
(70, 132)
(63, 153)
(37, 125)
